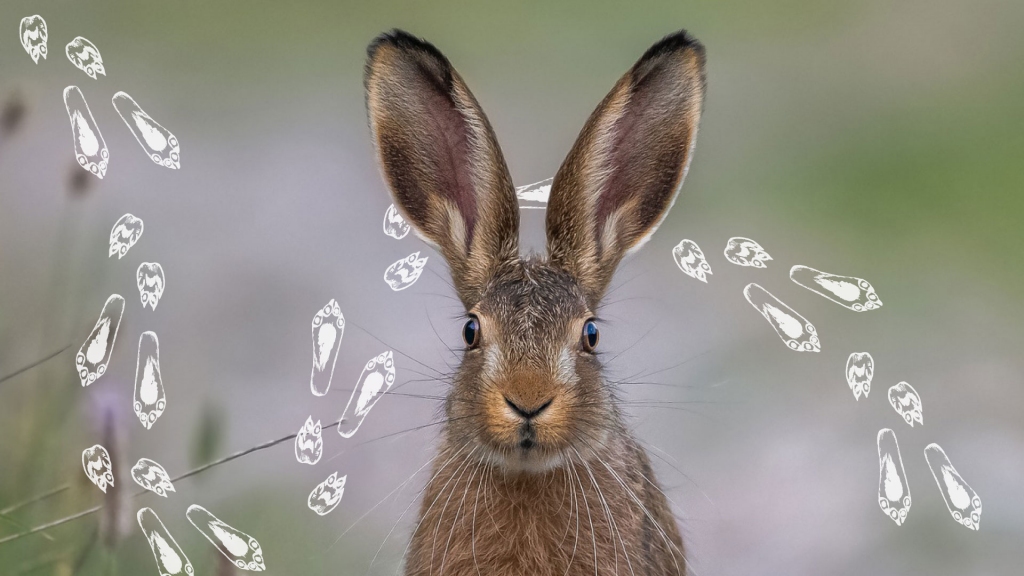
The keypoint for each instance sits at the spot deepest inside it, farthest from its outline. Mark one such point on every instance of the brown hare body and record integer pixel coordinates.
(536, 473)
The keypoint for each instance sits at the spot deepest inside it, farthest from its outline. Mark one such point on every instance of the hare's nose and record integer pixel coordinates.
(525, 412)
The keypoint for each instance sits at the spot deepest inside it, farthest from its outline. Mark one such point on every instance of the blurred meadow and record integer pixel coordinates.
(877, 139)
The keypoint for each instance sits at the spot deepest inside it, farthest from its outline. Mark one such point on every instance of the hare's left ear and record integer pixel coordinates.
(625, 169)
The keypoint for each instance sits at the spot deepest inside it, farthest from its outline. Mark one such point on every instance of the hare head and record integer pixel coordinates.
(529, 393)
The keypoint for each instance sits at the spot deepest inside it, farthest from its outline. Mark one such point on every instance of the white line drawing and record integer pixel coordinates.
(328, 329)
(394, 225)
(243, 550)
(534, 196)
(860, 367)
(405, 272)
(152, 477)
(794, 329)
(150, 398)
(376, 379)
(150, 279)
(893, 489)
(94, 355)
(90, 147)
(851, 292)
(690, 259)
(96, 463)
(170, 560)
(125, 233)
(309, 444)
(327, 494)
(33, 36)
(85, 56)
(745, 252)
(907, 403)
(158, 142)
(961, 500)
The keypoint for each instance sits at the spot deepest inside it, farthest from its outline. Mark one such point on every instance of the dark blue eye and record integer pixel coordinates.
(590, 336)
(471, 332)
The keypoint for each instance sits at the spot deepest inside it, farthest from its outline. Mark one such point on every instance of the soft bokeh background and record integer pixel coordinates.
(876, 139)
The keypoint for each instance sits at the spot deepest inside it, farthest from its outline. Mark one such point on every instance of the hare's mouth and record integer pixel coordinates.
(527, 456)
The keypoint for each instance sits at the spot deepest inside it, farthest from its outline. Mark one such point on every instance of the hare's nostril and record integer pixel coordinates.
(527, 412)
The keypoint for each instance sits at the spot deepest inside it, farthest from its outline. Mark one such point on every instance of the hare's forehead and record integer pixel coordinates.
(537, 298)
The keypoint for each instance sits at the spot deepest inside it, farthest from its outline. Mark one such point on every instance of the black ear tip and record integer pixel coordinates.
(676, 42)
(403, 41)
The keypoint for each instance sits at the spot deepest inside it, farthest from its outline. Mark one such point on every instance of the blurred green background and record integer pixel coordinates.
(877, 139)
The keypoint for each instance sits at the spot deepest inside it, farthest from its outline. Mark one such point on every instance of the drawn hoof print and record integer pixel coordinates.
(691, 261)
(33, 36)
(405, 272)
(794, 329)
(125, 233)
(309, 444)
(159, 144)
(394, 225)
(243, 550)
(851, 292)
(328, 328)
(961, 500)
(150, 399)
(85, 56)
(152, 477)
(92, 358)
(893, 489)
(327, 494)
(376, 379)
(96, 463)
(860, 367)
(534, 196)
(170, 560)
(150, 279)
(90, 148)
(746, 252)
(907, 403)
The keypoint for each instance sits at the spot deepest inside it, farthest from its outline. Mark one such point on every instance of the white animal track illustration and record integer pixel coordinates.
(851, 292)
(327, 494)
(150, 398)
(893, 489)
(90, 147)
(309, 444)
(860, 367)
(32, 32)
(405, 272)
(376, 379)
(394, 225)
(745, 252)
(961, 500)
(97, 466)
(690, 259)
(534, 196)
(125, 233)
(907, 403)
(85, 56)
(170, 560)
(328, 329)
(794, 329)
(158, 142)
(94, 355)
(243, 550)
(150, 280)
(152, 477)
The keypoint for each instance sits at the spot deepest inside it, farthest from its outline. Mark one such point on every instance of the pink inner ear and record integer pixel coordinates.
(451, 157)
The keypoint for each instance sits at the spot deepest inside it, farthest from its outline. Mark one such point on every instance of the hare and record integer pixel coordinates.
(536, 473)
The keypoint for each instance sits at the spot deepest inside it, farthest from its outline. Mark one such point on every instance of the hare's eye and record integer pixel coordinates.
(590, 336)
(471, 332)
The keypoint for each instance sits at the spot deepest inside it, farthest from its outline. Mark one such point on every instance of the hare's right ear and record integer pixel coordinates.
(441, 160)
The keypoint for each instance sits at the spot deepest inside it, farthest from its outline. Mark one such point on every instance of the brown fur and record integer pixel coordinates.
(536, 473)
